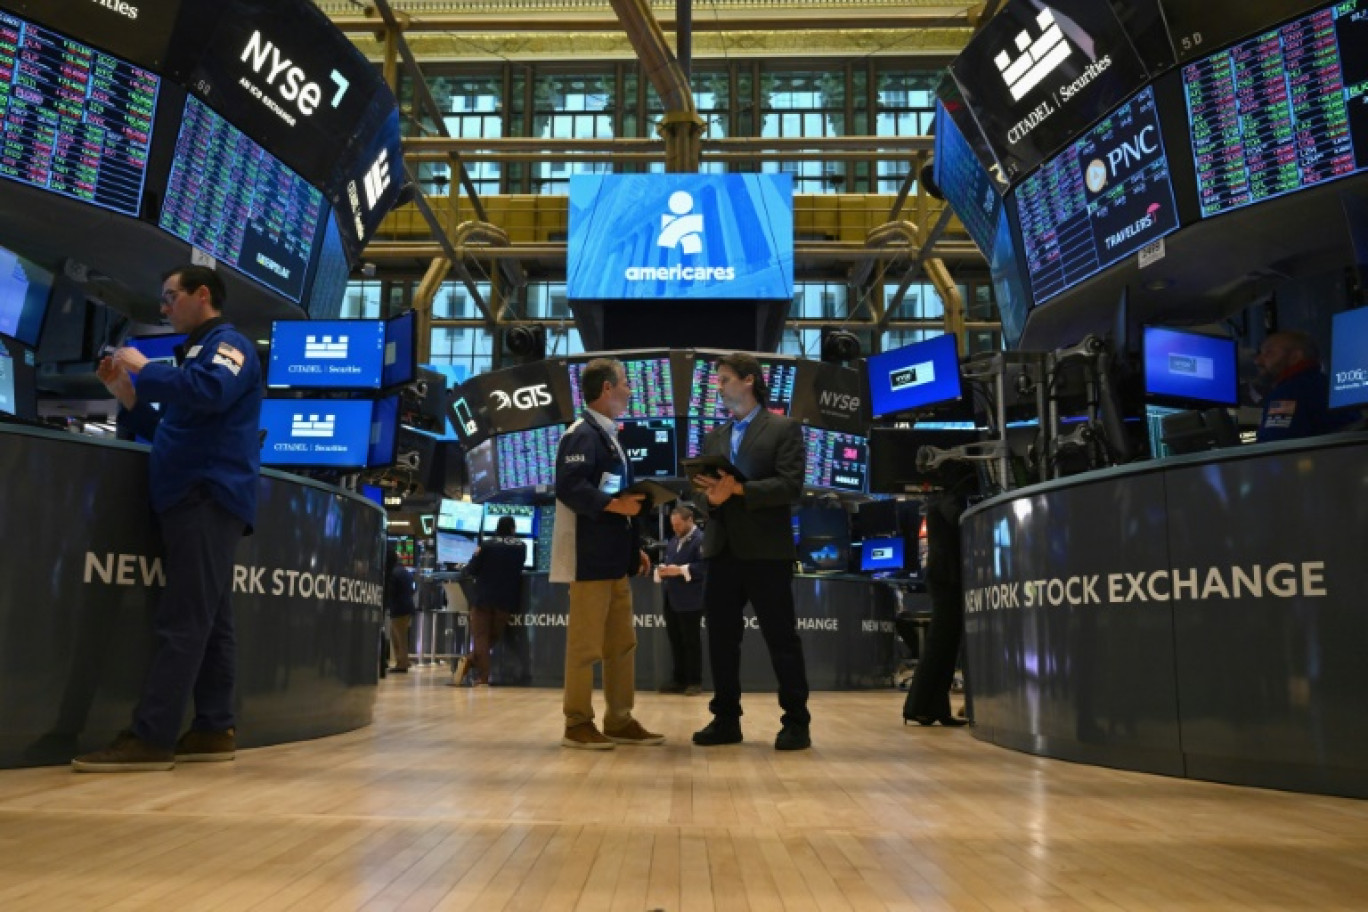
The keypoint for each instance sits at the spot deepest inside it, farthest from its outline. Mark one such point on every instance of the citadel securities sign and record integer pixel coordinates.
(680, 237)
(1039, 72)
(139, 31)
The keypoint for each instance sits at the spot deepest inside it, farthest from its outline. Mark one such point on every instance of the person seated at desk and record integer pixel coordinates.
(1298, 402)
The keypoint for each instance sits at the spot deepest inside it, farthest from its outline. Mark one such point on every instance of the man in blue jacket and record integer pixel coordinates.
(497, 568)
(1298, 400)
(682, 572)
(595, 548)
(204, 468)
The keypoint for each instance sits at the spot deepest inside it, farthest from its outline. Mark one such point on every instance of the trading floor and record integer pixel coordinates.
(463, 799)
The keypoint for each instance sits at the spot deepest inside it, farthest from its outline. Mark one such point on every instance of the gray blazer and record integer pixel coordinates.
(758, 525)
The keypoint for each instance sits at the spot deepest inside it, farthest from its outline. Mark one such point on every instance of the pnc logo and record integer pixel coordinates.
(1135, 150)
(294, 84)
(1036, 59)
(325, 349)
(684, 228)
(320, 427)
(529, 397)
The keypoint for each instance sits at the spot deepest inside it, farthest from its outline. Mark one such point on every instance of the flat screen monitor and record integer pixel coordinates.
(25, 288)
(1189, 367)
(1010, 291)
(524, 517)
(877, 518)
(160, 349)
(1281, 111)
(459, 516)
(1100, 200)
(674, 237)
(519, 398)
(232, 199)
(651, 446)
(373, 493)
(74, 121)
(1349, 358)
(527, 459)
(881, 555)
(650, 379)
(482, 471)
(696, 431)
(384, 436)
(893, 459)
(316, 433)
(401, 336)
(781, 380)
(453, 548)
(836, 461)
(967, 187)
(914, 376)
(18, 373)
(326, 354)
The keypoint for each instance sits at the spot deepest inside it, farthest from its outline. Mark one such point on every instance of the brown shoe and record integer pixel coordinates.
(633, 733)
(586, 736)
(126, 754)
(205, 746)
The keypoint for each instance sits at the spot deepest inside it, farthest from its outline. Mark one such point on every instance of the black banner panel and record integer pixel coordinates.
(1037, 75)
(136, 30)
(1197, 27)
(73, 120)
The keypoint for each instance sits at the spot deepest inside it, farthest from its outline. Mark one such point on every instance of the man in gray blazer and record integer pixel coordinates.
(748, 544)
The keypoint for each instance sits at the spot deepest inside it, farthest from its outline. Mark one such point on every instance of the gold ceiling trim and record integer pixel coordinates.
(342, 9)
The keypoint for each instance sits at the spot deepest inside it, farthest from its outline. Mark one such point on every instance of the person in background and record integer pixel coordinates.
(1298, 401)
(748, 544)
(682, 573)
(498, 571)
(400, 607)
(204, 469)
(594, 548)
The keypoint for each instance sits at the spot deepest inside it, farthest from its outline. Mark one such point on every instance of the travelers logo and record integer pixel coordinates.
(1037, 59)
(683, 229)
(322, 427)
(325, 348)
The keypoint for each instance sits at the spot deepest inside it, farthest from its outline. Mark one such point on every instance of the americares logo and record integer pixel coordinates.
(682, 230)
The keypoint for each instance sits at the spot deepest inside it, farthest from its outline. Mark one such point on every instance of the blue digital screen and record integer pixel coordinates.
(1010, 294)
(326, 354)
(384, 436)
(399, 366)
(1189, 366)
(965, 184)
(835, 460)
(881, 555)
(651, 446)
(1349, 358)
(455, 549)
(24, 291)
(161, 349)
(914, 376)
(680, 237)
(316, 433)
(374, 493)
(459, 516)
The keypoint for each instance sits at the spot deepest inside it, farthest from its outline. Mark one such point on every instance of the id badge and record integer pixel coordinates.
(610, 484)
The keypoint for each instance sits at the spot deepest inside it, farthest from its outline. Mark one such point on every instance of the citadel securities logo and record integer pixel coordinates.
(1037, 58)
(322, 428)
(681, 229)
(529, 397)
(316, 349)
(118, 6)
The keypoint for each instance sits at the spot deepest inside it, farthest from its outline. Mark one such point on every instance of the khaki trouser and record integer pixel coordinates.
(399, 640)
(600, 630)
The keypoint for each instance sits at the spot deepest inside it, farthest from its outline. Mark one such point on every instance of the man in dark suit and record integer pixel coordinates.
(682, 573)
(748, 543)
(498, 569)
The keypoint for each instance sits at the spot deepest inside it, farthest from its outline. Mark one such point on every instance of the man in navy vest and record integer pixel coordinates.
(595, 548)
(204, 466)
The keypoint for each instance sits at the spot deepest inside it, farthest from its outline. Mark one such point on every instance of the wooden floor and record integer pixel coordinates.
(461, 799)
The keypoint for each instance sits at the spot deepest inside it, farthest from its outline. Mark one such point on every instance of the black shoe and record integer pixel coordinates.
(947, 721)
(718, 731)
(793, 738)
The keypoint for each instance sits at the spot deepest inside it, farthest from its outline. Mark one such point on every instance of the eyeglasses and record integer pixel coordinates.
(169, 295)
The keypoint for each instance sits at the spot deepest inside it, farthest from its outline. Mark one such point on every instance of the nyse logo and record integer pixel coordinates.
(1037, 58)
(321, 427)
(294, 84)
(882, 553)
(683, 228)
(325, 348)
(529, 397)
(841, 402)
(1192, 366)
(913, 375)
(377, 179)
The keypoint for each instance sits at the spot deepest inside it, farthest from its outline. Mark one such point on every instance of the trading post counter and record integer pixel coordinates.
(845, 623)
(79, 575)
(1199, 616)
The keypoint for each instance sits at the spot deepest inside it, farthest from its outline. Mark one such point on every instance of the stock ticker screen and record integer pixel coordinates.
(835, 460)
(780, 377)
(528, 458)
(695, 431)
(1282, 111)
(652, 387)
(1101, 199)
(73, 120)
(232, 199)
